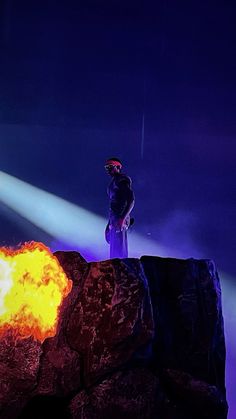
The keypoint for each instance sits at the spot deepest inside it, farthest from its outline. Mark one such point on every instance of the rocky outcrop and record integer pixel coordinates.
(189, 333)
(113, 316)
(135, 339)
(19, 366)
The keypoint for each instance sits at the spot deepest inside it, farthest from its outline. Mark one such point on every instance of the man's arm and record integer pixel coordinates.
(127, 196)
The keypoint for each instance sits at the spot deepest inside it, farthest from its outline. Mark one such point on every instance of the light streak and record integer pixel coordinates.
(65, 221)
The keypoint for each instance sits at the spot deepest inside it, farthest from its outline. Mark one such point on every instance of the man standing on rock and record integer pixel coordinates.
(121, 199)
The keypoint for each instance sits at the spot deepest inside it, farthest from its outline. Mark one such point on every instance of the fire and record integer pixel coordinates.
(32, 288)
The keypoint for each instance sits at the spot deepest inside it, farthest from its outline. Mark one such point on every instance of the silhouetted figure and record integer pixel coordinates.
(121, 199)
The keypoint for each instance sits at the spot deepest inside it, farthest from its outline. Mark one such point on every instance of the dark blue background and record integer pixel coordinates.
(75, 80)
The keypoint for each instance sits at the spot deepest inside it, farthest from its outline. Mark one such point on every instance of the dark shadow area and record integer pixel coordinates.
(45, 407)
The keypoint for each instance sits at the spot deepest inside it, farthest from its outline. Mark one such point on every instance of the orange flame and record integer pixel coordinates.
(32, 288)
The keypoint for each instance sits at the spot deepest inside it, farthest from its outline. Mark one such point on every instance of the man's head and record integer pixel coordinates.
(113, 166)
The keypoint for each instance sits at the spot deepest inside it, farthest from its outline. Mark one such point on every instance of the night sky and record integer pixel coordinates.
(77, 80)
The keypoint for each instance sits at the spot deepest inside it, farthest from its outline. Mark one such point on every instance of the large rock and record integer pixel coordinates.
(189, 332)
(135, 339)
(19, 366)
(125, 394)
(112, 319)
(60, 366)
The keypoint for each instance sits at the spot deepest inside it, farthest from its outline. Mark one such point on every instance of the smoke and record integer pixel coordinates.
(179, 231)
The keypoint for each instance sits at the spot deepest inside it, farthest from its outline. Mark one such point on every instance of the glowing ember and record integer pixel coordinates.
(32, 288)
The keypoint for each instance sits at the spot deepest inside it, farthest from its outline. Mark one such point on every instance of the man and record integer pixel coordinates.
(121, 199)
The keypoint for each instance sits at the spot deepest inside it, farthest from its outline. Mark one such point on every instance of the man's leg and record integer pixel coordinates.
(118, 244)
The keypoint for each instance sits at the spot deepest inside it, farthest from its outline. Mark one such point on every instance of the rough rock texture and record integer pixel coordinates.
(186, 300)
(19, 365)
(113, 316)
(135, 339)
(73, 264)
(60, 365)
(125, 394)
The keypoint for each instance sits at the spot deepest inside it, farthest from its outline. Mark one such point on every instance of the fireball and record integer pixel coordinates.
(32, 288)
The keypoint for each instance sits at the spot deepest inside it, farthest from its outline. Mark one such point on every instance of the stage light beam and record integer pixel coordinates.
(65, 221)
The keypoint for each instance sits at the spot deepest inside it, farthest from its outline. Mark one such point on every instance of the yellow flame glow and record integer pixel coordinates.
(32, 288)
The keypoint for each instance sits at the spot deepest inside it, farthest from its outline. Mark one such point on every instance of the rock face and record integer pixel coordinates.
(189, 345)
(136, 339)
(113, 316)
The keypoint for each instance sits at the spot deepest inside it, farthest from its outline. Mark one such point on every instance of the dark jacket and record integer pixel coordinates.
(121, 196)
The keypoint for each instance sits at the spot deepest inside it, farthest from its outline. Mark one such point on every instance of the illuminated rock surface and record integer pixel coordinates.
(135, 339)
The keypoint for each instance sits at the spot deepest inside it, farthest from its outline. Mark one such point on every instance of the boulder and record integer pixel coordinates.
(135, 339)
